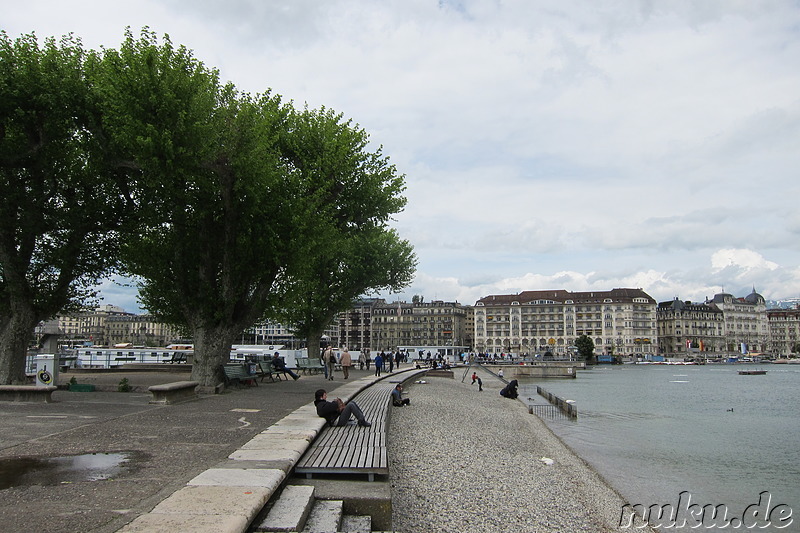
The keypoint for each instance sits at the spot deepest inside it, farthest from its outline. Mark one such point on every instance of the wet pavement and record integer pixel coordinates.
(94, 461)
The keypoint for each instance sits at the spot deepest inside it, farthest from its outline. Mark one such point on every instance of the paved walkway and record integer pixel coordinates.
(170, 445)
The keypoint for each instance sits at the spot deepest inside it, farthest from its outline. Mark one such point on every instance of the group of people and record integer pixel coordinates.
(339, 413)
(345, 360)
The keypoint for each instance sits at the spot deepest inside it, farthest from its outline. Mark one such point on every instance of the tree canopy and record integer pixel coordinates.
(351, 193)
(585, 347)
(235, 206)
(63, 202)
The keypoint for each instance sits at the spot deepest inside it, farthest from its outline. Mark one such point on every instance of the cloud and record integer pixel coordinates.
(576, 145)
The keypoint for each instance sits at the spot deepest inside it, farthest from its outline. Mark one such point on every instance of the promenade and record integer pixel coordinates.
(170, 444)
(465, 460)
(458, 457)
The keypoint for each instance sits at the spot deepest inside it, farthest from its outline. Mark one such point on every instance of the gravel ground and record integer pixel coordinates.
(462, 460)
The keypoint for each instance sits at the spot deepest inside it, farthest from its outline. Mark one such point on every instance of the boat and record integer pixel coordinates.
(752, 372)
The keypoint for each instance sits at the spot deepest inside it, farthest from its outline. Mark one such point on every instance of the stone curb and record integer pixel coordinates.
(226, 498)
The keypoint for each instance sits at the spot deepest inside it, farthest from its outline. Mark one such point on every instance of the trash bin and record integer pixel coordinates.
(46, 369)
(252, 368)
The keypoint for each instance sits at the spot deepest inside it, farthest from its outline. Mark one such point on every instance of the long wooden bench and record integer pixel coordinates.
(353, 449)
(178, 391)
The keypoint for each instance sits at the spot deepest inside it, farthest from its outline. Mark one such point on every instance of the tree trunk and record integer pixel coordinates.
(16, 331)
(212, 349)
(313, 340)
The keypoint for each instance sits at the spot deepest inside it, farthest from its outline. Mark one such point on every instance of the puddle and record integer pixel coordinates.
(68, 469)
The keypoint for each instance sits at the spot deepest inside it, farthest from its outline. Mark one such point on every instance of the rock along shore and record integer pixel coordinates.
(464, 460)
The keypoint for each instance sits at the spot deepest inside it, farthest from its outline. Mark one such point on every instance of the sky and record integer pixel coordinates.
(545, 144)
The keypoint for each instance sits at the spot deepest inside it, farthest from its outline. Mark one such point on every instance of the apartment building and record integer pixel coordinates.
(784, 331)
(688, 328)
(139, 330)
(374, 324)
(745, 320)
(619, 321)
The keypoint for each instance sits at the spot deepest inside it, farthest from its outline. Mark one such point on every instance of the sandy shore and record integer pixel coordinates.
(463, 460)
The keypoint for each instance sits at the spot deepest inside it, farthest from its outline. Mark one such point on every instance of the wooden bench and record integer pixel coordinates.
(309, 365)
(353, 449)
(236, 373)
(178, 391)
(268, 371)
(27, 393)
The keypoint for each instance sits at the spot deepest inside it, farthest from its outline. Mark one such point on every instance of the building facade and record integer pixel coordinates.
(686, 328)
(139, 330)
(784, 331)
(619, 322)
(746, 326)
(355, 325)
(435, 323)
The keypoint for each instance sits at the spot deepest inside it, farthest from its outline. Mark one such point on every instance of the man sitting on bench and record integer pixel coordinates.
(337, 413)
(280, 366)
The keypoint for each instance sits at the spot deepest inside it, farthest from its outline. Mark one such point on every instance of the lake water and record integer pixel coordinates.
(655, 431)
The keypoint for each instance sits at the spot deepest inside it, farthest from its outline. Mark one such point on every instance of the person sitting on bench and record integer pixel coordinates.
(397, 397)
(337, 413)
(280, 366)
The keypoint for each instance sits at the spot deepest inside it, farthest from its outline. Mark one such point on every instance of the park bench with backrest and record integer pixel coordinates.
(309, 365)
(269, 371)
(238, 374)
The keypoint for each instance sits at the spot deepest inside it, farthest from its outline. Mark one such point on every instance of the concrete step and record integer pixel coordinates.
(356, 524)
(290, 510)
(325, 517)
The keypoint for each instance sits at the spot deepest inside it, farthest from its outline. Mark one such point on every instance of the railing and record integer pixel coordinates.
(568, 408)
(547, 410)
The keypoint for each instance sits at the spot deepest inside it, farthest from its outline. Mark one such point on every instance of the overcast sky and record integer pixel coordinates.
(546, 145)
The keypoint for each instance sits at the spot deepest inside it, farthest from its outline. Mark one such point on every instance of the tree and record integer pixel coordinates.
(218, 243)
(585, 347)
(63, 202)
(350, 194)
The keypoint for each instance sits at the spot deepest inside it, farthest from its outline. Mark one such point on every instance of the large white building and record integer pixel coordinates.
(746, 324)
(619, 321)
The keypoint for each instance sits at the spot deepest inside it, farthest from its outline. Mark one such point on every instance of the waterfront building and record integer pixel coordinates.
(746, 326)
(418, 323)
(686, 328)
(784, 331)
(355, 324)
(619, 322)
(138, 330)
(86, 327)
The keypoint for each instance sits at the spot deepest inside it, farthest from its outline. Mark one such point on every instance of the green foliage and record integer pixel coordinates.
(226, 207)
(61, 205)
(63, 200)
(124, 386)
(585, 347)
(350, 194)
